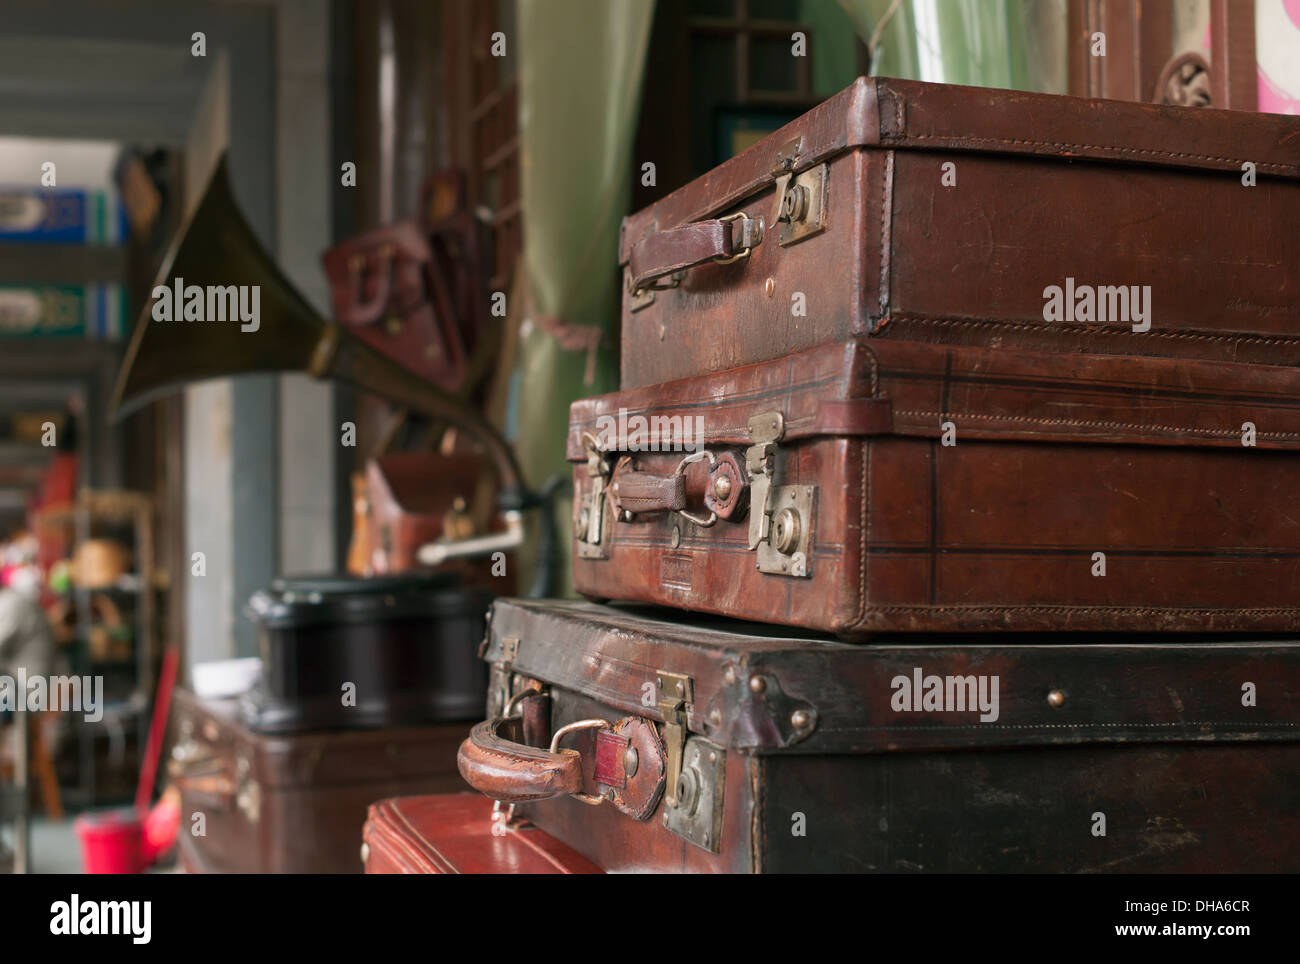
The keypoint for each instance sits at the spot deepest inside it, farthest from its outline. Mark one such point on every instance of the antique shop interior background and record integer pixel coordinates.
(531, 127)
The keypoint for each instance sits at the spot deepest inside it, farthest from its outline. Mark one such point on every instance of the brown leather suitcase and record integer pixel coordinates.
(415, 498)
(715, 746)
(452, 833)
(293, 803)
(877, 485)
(385, 287)
(945, 213)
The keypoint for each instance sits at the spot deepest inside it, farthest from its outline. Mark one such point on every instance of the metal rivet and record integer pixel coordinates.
(665, 818)
(715, 717)
(662, 331)
(757, 684)
(630, 760)
(627, 516)
(713, 756)
(676, 536)
(681, 688)
(799, 718)
(1056, 699)
(365, 852)
(730, 675)
(769, 287)
(722, 487)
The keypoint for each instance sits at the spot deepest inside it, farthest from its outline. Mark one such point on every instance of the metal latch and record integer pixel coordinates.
(801, 204)
(780, 517)
(502, 677)
(588, 527)
(698, 813)
(764, 432)
(676, 692)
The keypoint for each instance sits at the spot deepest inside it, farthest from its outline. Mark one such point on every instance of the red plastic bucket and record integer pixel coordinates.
(112, 842)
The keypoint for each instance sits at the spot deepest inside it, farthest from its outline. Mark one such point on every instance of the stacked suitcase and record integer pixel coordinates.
(982, 407)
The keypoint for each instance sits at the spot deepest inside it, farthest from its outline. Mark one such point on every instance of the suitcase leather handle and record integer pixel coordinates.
(362, 310)
(663, 253)
(495, 763)
(644, 492)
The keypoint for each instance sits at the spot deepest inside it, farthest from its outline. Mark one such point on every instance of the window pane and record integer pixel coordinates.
(772, 65)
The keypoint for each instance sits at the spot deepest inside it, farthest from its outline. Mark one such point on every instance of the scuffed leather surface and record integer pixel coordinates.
(1047, 187)
(494, 762)
(1057, 457)
(451, 833)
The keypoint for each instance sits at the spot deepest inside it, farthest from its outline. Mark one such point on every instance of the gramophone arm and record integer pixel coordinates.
(436, 553)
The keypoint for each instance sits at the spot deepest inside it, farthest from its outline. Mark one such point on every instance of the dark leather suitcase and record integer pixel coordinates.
(406, 644)
(1079, 492)
(452, 833)
(944, 213)
(293, 803)
(721, 746)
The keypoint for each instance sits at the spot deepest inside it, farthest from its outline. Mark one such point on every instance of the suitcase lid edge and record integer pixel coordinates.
(819, 695)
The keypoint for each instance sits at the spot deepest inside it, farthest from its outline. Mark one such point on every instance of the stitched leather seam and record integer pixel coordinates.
(1224, 432)
(632, 501)
(1003, 141)
(885, 217)
(1092, 330)
(864, 521)
(1099, 610)
(514, 758)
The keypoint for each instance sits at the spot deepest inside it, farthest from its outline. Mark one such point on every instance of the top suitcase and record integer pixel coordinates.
(968, 216)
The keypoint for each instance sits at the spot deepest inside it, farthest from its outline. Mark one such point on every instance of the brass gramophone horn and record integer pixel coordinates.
(217, 249)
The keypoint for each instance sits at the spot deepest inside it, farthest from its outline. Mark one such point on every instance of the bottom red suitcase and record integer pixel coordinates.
(665, 744)
(451, 833)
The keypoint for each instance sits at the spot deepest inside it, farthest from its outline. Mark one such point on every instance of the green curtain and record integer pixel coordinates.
(986, 43)
(581, 65)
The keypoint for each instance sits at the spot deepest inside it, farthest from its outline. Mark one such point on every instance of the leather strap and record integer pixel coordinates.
(610, 747)
(645, 492)
(494, 762)
(666, 252)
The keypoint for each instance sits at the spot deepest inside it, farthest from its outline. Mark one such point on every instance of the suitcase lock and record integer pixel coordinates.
(675, 693)
(591, 507)
(780, 517)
